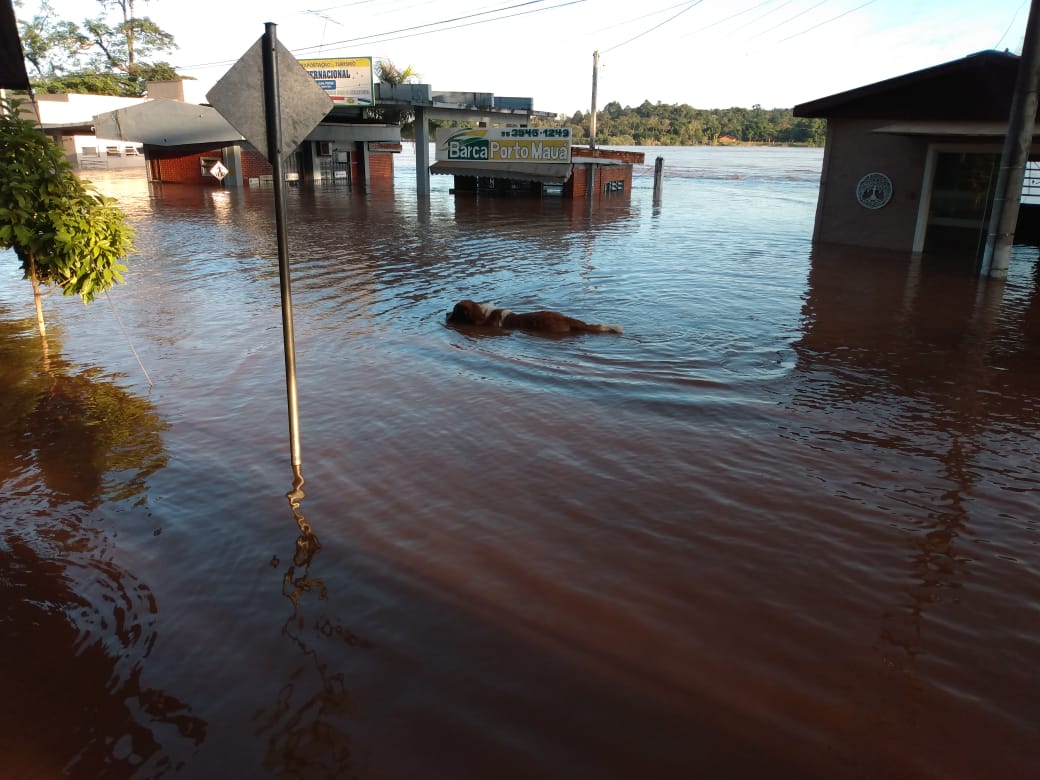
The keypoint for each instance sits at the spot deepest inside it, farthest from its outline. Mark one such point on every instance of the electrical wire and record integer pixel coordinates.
(646, 32)
(760, 18)
(643, 16)
(127, 337)
(1010, 24)
(394, 33)
(827, 21)
(788, 19)
(732, 16)
(439, 23)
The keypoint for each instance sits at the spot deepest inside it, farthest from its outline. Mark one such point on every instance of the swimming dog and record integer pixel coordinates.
(488, 316)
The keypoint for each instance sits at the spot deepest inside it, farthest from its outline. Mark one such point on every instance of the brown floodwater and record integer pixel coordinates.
(786, 525)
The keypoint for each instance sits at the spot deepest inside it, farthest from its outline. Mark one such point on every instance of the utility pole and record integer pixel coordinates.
(1017, 144)
(592, 118)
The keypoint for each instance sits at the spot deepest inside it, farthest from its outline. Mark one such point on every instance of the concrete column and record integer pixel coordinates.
(422, 152)
(363, 154)
(233, 160)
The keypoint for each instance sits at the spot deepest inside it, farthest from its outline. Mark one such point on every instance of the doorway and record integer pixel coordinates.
(962, 189)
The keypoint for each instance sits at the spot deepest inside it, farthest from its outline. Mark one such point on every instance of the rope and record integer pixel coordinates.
(127, 337)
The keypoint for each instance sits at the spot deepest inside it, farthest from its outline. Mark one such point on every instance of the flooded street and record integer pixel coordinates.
(786, 525)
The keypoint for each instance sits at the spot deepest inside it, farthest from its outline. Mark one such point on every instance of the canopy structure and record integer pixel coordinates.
(546, 173)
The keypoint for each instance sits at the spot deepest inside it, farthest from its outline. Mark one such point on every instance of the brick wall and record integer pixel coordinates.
(610, 180)
(381, 169)
(176, 168)
(254, 164)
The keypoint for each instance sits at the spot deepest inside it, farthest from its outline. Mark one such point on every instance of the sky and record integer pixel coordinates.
(705, 53)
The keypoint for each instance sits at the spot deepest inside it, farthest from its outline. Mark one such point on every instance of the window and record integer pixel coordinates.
(207, 163)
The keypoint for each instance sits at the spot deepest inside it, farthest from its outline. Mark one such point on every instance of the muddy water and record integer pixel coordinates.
(786, 525)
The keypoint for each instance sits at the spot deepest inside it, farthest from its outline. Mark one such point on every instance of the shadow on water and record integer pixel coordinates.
(77, 626)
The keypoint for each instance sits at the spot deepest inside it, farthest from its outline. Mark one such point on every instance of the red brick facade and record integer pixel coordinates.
(381, 169)
(610, 179)
(254, 164)
(170, 166)
(177, 167)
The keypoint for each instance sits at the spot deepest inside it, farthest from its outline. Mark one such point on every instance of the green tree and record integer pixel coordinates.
(389, 73)
(124, 44)
(124, 53)
(65, 233)
(51, 46)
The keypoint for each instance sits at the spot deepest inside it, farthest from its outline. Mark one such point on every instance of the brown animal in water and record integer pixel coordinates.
(486, 315)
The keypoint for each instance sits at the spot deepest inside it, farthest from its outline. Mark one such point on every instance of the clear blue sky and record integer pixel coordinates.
(707, 53)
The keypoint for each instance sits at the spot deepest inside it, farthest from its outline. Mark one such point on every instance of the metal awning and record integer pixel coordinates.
(546, 173)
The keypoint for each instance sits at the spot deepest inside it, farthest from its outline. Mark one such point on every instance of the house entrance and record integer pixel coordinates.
(962, 195)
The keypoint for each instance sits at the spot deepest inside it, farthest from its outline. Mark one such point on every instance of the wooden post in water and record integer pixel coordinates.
(658, 179)
(1017, 144)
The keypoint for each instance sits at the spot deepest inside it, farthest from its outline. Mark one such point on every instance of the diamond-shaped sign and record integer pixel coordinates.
(219, 171)
(239, 97)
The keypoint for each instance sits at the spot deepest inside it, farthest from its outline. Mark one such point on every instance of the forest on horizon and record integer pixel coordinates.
(664, 124)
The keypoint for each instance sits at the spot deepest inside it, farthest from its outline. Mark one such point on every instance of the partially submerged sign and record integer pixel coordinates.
(514, 145)
(239, 97)
(219, 171)
(348, 82)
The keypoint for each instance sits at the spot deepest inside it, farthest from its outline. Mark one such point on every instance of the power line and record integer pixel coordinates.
(734, 16)
(827, 21)
(1010, 24)
(645, 32)
(394, 34)
(644, 16)
(788, 19)
(763, 16)
(441, 22)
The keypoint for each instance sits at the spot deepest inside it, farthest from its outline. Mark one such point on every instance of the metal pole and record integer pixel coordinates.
(1017, 144)
(272, 110)
(658, 179)
(592, 116)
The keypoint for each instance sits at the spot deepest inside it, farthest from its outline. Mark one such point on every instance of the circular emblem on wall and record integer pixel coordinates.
(874, 190)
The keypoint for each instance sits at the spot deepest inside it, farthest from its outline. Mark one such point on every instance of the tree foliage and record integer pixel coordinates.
(64, 232)
(99, 56)
(658, 124)
(389, 73)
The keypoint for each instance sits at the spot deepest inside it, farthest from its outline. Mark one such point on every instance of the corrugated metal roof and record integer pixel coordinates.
(547, 173)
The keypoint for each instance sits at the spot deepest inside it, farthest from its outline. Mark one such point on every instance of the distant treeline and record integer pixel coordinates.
(660, 124)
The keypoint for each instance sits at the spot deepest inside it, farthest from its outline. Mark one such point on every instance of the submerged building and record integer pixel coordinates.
(355, 143)
(911, 162)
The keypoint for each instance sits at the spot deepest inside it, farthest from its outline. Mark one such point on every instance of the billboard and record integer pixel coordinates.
(347, 81)
(504, 144)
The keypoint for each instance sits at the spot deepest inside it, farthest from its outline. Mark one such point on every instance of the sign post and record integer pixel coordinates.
(272, 110)
(275, 130)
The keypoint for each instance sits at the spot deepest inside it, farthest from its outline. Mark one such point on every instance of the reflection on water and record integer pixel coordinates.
(78, 627)
(783, 526)
(306, 729)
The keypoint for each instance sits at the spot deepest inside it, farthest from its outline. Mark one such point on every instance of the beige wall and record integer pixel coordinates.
(852, 152)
